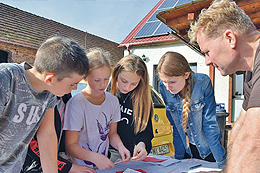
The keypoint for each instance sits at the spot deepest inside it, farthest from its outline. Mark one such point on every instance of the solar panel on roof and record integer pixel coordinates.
(153, 17)
(168, 4)
(148, 29)
(162, 29)
(154, 26)
(181, 2)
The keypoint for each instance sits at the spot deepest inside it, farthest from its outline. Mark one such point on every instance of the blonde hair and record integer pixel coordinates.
(98, 58)
(141, 96)
(174, 64)
(221, 15)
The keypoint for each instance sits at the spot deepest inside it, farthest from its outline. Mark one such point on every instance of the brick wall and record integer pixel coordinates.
(18, 54)
(28, 30)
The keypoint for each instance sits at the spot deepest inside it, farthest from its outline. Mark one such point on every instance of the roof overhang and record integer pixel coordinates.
(179, 18)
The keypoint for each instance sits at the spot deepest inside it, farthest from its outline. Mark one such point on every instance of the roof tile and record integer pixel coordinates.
(130, 40)
(29, 30)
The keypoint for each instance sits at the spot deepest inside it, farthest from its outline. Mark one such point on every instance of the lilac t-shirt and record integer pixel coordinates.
(92, 122)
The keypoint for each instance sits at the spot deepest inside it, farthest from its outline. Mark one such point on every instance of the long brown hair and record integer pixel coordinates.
(174, 64)
(141, 95)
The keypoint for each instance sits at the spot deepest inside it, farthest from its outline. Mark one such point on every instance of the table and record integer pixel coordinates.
(169, 165)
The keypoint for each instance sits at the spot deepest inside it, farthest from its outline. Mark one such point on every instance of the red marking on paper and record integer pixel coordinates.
(152, 159)
(140, 170)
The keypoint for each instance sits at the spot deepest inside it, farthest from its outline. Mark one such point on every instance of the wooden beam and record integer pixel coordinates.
(255, 18)
(249, 6)
(179, 23)
(179, 18)
(212, 74)
(191, 17)
(185, 9)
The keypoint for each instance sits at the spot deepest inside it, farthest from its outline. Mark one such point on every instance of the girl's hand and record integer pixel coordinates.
(140, 152)
(81, 169)
(125, 154)
(102, 162)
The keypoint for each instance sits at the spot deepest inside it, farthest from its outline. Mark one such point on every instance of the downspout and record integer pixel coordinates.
(128, 49)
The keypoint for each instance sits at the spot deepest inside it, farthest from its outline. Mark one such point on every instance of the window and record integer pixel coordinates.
(155, 78)
(3, 56)
(238, 80)
(193, 67)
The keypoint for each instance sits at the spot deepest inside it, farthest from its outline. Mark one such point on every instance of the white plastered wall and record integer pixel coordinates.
(154, 53)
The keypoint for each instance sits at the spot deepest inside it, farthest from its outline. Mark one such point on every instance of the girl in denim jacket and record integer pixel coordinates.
(191, 110)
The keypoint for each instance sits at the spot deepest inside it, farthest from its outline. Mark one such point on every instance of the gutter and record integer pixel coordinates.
(186, 42)
(127, 46)
(176, 37)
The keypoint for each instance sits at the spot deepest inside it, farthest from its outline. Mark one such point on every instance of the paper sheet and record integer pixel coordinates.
(169, 165)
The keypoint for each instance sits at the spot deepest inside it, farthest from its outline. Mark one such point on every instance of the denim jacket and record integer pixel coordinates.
(202, 121)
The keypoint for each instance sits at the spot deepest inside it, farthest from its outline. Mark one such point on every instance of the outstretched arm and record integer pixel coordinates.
(47, 141)
(65, 166)
(144, 141)
(116, 142)
(237, 126)
(76, 151)
(244, 150)
(81, 169)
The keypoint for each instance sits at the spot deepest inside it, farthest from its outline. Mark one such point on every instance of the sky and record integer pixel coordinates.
(109, 19)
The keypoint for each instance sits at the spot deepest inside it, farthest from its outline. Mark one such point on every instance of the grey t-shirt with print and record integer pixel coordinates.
(21, 111)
